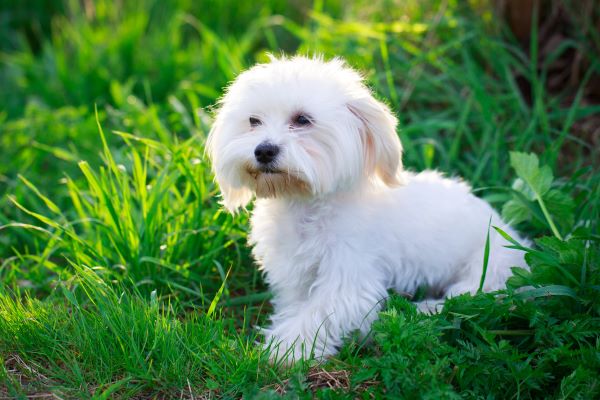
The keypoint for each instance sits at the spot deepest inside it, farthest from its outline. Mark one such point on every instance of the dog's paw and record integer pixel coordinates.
(430, 306)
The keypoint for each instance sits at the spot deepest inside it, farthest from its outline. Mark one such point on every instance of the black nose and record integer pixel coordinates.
(265, 153)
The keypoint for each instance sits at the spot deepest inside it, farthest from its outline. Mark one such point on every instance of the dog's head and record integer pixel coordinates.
(301, 127)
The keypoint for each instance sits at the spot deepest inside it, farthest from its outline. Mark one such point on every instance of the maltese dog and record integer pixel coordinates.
(337, 221)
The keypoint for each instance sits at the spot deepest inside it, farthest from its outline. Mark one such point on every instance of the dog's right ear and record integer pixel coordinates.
(233, 197)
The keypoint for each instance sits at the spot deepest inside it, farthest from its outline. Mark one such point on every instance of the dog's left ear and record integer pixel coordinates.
(383, 150)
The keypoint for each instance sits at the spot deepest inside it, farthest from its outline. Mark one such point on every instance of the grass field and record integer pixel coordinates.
(121, 277)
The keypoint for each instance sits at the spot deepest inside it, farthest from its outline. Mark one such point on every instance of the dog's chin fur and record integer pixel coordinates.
(337, 222)
(276, 184)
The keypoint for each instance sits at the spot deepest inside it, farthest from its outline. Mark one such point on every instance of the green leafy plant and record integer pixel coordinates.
(533, 192)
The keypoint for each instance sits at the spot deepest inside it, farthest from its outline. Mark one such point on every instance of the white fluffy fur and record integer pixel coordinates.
(341, 223)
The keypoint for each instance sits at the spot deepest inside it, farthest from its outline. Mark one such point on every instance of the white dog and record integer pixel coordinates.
(337, 221)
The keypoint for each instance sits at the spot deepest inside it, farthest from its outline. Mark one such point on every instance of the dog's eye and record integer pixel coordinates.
(254, 121)
(301, 120)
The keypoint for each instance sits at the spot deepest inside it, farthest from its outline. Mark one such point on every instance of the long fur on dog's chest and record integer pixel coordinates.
(290, 239)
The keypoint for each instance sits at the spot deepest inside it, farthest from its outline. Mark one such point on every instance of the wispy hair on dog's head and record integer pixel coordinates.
(301, 127)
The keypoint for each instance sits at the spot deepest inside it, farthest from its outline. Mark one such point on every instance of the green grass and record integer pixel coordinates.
(122, 277)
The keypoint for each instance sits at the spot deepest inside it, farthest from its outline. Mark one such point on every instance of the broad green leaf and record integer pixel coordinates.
(547, 291)
(538, 179)
(569, 252)
(527, 168)
(561, 206)
(515, 212)
(521, 277)
(543, 180)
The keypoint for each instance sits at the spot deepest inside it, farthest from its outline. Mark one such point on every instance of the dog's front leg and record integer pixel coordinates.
(345, 296)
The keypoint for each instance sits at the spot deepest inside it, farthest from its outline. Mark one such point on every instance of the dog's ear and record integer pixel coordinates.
(383, 150)
(232, 197)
